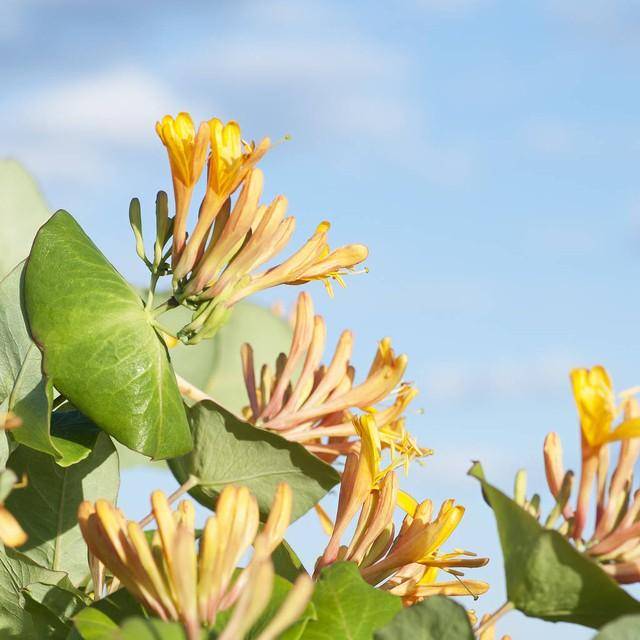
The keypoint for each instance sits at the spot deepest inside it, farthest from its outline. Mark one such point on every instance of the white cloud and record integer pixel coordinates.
(499, 379)
(76, 129)
(118, 105)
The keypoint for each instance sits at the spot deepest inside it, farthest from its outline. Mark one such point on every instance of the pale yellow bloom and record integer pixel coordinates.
(11, 533)
(176, 581)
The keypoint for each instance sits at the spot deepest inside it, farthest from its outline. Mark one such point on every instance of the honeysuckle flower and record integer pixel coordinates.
(243, 239)
(9, 420)
(311, 403)
(406, 563)
(187, 152)
(615, 541)
(597, 410)
(230, 161)
(176, 581)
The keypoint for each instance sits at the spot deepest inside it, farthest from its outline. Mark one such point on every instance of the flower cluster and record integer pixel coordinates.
(219, 263)
(406, 564)
(615, 540)
(176, 581)
(311, 403)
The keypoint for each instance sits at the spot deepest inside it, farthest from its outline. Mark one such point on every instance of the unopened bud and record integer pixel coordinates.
(520, 487)
(135, 220)
(554, 469)
(163, 227)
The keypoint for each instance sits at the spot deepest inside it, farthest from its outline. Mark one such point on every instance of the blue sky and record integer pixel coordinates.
(486, 152)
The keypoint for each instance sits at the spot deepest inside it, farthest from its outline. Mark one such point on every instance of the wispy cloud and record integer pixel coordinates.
(506, 379)
(75, 130)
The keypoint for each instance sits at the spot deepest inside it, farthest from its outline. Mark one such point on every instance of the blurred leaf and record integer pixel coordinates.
(22, 211)
(348, 607)
(99, 347)
(281, 588)
(436, 618)
(20, 615)
(214, 365)
(47, 507)
(102, 618)
(229, 451)
(546, 576)
(23, 388)
(286, 562)
(149, 629)
(624, 628)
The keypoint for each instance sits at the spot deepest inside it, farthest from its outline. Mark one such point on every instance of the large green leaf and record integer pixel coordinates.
(286, 562)
(23, 590)
(436, 618)
(546, 576)
(624, 628)
(23, 388)
(229, 451)
(214, 365)
(348, 607)
(150, 629)
(47, 507)
(100, 348)
(22, 211)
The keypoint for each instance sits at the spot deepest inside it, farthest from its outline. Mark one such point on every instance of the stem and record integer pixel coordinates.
(152, 288)
(191, 482)
(494, 617)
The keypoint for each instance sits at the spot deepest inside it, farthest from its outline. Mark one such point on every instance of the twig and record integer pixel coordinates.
(191, 482)
(494, 617)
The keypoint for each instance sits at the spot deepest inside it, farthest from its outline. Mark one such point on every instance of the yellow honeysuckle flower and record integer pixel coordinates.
(230, 162)
(176, 581)
(187, 152)
(187, 149)
(405, 563)
(596, 404)
(231, 157)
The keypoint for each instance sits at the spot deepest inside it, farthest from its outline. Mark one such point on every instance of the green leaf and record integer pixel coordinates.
(19, 616)
(624, 628)
(47, 507)
(286, 563)
(546, 576)
(22, 211)
(102, 618)
(23, 388)
(229, 451)
(436, 618)
(143, 629)
(348, 607)
(100, 348)
(214, 365)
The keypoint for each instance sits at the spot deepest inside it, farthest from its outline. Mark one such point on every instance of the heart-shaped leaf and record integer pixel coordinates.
(229, 451)
(624, 628)
(546, 576)
(100, 348)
